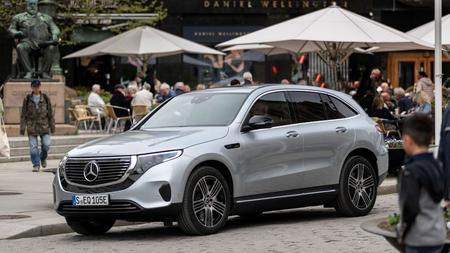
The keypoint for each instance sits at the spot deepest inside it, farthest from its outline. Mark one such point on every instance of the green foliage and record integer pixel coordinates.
(393, 219)
(73, 22)
(9, 8)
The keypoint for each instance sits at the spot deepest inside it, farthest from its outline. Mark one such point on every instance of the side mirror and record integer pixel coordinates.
(258, 122)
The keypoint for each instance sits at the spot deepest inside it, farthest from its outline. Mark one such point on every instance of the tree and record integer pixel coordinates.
(7, 11)
(68, 21)
(91, 9)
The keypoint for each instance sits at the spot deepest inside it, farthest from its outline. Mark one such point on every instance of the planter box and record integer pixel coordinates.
(396, 159)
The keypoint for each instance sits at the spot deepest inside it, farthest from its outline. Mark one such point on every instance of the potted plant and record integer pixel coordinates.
(386, 228)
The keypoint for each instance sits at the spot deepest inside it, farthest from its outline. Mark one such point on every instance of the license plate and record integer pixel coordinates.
(90, 200)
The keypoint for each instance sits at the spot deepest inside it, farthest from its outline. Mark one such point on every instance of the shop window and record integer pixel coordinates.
(406, 74)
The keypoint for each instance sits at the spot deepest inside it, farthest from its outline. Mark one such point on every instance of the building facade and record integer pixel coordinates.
(211, 22)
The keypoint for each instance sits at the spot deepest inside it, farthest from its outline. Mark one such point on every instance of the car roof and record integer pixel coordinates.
(249, 89)
(267, 87)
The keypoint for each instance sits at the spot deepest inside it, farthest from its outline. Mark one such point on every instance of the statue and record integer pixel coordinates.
(37, 36)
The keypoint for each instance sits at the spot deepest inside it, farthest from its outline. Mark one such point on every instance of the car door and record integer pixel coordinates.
(325, 138)
(269, 156)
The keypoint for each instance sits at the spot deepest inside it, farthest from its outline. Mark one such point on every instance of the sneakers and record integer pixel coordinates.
(36, 168)
(44, 163)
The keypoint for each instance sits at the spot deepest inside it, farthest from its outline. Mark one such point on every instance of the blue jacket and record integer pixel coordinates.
(444, 149)
(160, 98)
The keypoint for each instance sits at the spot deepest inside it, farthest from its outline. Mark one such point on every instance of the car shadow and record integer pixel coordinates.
(154, 232)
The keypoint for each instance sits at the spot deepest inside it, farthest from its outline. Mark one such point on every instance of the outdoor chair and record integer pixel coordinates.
(98, 114)
(81, 115)
(139, 111)
(114, 120)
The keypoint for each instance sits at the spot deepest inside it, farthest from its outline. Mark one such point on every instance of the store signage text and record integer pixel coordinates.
(111, 4)
(271, 4)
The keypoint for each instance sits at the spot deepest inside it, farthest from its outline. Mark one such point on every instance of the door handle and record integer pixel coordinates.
(341, 130)
(292, 134)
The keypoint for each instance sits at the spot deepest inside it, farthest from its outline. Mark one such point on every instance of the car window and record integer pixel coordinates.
(274, 106)
(197, 109)
(308, 106)
(337, 109)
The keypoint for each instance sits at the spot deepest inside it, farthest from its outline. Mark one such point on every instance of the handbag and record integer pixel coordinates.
(4, 144)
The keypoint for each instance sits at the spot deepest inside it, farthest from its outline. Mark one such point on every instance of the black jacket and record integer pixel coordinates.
(118, 99)
(382, 114)
(444, 150)
(421, 172)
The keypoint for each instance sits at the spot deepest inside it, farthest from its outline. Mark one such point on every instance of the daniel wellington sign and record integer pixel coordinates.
(262, 6)
(270, 4)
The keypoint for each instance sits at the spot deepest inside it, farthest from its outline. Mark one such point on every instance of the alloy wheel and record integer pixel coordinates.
(361, 185)
(209, 201)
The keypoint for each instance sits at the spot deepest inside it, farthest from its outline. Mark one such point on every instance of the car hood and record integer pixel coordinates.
(148, 141)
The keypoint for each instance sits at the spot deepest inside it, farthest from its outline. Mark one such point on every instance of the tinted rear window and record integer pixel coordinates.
(308, 106)
(336, 109)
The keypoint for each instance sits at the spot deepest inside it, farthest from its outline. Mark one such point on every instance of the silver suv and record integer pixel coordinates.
(203, 156)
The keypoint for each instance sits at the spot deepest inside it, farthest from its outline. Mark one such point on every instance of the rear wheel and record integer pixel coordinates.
(357, 187)
(206, 202)
(90, 227)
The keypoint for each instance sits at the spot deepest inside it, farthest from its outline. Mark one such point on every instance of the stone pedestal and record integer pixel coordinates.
(16, 91)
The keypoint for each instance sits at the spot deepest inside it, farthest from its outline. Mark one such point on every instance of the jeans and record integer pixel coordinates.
(36, 156)
(433, 249)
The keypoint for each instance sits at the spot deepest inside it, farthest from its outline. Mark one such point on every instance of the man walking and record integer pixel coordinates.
(38, 121)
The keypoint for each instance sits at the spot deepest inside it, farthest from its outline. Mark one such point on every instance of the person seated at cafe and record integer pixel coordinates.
(200, 86)
(143, 97)
(122, 106)
(95, 102)
(404, 103)
(164, 93)
(179, 88)
(379, 110)
(423, 103)
(388, 101)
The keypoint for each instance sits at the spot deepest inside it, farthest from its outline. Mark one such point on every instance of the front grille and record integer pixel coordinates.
(113, 207)
(110, 170)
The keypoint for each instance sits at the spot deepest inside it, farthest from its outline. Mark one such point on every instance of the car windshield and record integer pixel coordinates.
(197, 109)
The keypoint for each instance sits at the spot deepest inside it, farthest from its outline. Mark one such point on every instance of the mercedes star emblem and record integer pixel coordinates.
(91, 171)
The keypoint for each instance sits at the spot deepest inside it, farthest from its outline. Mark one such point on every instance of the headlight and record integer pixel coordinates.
(62, 166)
(145, 162)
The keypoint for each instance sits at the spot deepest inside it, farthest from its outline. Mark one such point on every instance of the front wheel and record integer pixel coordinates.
(89, 227)
(206, 202)
(357, 187)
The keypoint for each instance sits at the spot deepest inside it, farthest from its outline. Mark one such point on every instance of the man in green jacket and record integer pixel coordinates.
(38, 121)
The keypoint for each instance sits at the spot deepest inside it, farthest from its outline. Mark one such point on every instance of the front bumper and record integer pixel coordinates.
(156, 195)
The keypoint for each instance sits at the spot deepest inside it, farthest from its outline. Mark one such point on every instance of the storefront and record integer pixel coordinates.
(213, 21)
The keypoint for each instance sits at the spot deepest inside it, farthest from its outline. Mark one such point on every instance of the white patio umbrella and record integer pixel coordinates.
(426, 32)
(333, 33)
(144, 42)
(265, 49)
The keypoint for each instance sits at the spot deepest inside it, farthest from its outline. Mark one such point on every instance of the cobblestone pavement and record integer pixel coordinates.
(300, 230)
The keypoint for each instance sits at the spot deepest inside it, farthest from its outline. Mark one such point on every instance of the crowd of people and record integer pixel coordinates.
(376, 96)
(380, 100)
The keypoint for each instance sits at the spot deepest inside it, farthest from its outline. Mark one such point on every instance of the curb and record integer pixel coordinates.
(56, 229)
(43, 230)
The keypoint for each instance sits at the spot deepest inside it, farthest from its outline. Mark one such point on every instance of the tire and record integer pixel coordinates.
(89, 227)
(357, 193)
(213, 202)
